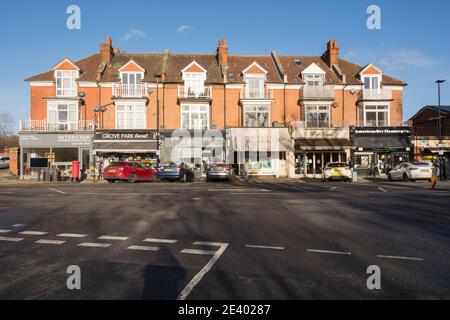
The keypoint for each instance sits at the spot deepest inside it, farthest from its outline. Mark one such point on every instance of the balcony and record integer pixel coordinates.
(130, 90)
(45, 126)
(256, 94)
(317, 93)
(375, 95)
(185, 93)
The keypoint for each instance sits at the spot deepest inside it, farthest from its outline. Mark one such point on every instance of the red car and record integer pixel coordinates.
(128, 171)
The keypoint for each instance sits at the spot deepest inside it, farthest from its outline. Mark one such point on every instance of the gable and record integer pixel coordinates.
(194, 67)
(131, 66)
(254, 68)
(66, 65)
(313, 69)
(371, 69)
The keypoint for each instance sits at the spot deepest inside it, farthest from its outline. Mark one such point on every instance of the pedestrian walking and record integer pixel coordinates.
(246, 173)
(434, 177)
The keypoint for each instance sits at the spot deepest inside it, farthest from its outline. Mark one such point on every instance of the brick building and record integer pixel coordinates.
(286, 115)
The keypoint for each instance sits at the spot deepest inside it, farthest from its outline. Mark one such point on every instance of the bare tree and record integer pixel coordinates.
(6, 124)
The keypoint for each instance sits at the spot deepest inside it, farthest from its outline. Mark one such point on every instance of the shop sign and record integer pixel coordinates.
(321, 133)
(55, 140)
(126, 135)
(382, 131)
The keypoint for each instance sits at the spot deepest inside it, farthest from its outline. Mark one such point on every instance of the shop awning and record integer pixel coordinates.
(260, 140)
(322, 144)
(125, 147)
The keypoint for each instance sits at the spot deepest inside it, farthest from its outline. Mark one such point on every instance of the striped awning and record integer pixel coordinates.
(260, 140)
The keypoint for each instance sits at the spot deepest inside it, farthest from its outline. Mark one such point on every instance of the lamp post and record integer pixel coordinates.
(442, 174)
(158, 132)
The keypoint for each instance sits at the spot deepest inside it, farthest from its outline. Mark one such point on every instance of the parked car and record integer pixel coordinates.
(128, 171)
(411, 172)
(337, 171)
(175, 172)
(4, 163)
(219, 172)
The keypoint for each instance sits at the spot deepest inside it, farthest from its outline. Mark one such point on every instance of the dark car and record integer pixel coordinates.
(219, 172)
(128, 171)
(175, 172)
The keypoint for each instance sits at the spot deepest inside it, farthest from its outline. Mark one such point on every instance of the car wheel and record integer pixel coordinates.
(111, 181)
(390, 177)
(405, 177)
(133, 178)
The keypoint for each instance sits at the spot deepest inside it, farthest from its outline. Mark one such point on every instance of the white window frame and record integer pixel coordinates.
(260, 88)
(314, 79)
(126, 114)
(194, 83)
(257, 105)
(58, 124)
(194, 108)
(72, 89)
(377, 105)
(371, 77)
(317, 106)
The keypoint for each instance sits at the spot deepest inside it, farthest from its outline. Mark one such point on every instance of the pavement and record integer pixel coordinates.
(197, 241)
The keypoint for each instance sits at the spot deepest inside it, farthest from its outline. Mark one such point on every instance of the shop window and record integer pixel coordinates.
(62, 116)
(256, 116)
(317, 116)
(66, 85)
(376, 116)
(131, 116)
(195, 117)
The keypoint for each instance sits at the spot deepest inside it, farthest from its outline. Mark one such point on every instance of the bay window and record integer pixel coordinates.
(62, 116)
(257, 116)
(376, 116)
(317, 116)
(66, 85)
(195, 117)
(131, 116)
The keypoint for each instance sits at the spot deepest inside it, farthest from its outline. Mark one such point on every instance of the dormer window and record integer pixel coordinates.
(314, 79)
(66, 83)
(131, 86)
(194, 77)
(255, 86)
(371, 77)
(371, 82)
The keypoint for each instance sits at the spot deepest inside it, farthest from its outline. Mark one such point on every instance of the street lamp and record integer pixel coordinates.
(441, 173)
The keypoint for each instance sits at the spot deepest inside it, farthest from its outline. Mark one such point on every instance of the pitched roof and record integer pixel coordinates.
(237, 64)
(294, 71)
(352, 71)
(444, 109)
(177, 62)
(151, 63)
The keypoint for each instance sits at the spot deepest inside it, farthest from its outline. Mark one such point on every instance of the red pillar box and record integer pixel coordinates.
(75, 170)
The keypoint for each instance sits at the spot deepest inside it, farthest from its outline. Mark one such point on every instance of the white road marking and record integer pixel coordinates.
(383, 189)
(160, 241)
(199, 276)
(71, 235)
(196, 199)
(199, 252)
(333, 188)
(94, 245)
(43, 241)
(4, 231)
(399, 258)
(263, 247)
(143, 248)
(18, 225)
(122, 194)
(329, 252)
(238, 190)
(10, 239)
(55, 190)
(114, 238)
(33, 233)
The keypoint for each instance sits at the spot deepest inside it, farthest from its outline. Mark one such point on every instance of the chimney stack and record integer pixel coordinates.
(222, 52)
(106, 51)
(332, 54)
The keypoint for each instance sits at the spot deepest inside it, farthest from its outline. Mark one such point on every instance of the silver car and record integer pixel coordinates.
(4, 163)
(411, 172)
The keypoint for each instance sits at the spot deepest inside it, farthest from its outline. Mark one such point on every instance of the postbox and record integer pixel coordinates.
(75, 169)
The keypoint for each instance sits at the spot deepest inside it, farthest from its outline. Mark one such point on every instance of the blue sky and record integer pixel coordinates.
(413, 44)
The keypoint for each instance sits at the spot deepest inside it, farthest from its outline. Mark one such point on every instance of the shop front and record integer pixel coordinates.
(434, 150)
(316, 147)
(58, 149)
(125, 145)
(382, 147)
(265, 151)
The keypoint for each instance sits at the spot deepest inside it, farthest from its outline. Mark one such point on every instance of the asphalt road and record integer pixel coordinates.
(286, 240)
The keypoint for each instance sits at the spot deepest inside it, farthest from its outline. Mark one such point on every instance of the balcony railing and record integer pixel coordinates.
(248, 93)
(188, 93)
(317, 93)
(44, 125)
(130, 90)
(375, 94)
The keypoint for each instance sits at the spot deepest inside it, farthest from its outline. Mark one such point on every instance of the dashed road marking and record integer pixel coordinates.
(94, 245)
(114, 238)
(43, 241)
(71, 235)
(11, 239)
(19, 225)
(143, 248)
(169, 241)
(383, 189)
(399, 258)
(333, 188)
(199, 252)
(33, 233)
(196, 199)
(199, 276)
(329, 252)
(55, 190)
(5, 231)
(263, 247)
